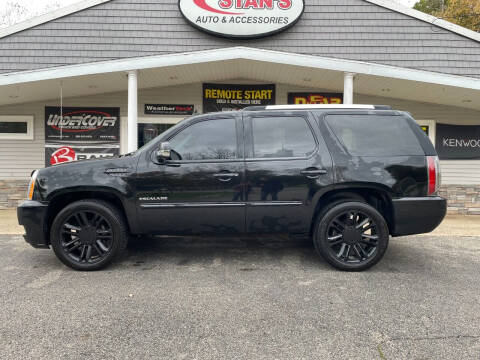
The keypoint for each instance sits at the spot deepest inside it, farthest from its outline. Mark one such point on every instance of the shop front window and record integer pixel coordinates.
(148, 132)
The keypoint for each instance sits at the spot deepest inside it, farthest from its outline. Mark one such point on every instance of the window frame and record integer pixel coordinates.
(238, 134)
(29, 119)
(249, 138)
(432, 127)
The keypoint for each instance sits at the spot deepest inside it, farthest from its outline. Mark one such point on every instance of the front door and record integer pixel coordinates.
(287, 163)
(201, 190)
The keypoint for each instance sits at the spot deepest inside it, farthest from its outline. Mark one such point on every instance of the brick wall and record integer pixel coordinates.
(462, 199)
(12, 192)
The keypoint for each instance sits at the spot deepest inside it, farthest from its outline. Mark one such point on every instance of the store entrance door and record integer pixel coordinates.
(149, 131)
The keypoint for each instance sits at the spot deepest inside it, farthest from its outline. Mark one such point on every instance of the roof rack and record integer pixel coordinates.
(317, 106)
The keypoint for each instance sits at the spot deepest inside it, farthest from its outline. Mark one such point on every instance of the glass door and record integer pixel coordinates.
(149, 131)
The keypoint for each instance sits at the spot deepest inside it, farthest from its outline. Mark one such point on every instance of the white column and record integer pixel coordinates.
(132, 126)
(348, 88)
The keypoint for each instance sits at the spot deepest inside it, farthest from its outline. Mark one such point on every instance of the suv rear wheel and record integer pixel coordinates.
(88, 234)
(351, 235)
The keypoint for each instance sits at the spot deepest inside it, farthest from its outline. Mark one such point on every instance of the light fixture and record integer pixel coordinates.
(386, 90)
(92, 86)
(307, 79)
(14, 96)
(466, 101)
(173, 77)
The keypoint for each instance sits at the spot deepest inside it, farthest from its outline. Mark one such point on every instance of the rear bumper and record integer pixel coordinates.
(417, 215)
(32, 215)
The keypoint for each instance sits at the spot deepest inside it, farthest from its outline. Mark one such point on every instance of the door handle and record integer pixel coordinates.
(313, 173)
(225, 176)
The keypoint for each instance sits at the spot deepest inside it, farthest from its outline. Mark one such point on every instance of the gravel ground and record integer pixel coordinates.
(243, 299)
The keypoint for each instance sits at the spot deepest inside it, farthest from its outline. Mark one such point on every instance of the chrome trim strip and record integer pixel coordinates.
(275, 203)
(318, 106)
(227, 204)
(191, 205)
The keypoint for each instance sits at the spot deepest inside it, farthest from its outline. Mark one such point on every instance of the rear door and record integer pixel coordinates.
(287, 165)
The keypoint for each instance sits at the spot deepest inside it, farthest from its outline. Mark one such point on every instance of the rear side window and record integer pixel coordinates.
(375, 135)
(282, 137)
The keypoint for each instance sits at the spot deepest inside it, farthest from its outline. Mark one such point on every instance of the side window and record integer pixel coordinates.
(282, 137)
(207, 140)
(375, 135)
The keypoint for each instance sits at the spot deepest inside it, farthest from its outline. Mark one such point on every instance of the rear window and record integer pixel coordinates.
(375, 135)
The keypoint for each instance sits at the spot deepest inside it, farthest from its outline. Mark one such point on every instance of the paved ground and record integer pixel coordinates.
(243, 299)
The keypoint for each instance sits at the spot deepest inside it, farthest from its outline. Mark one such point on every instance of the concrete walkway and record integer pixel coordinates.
(453, 225)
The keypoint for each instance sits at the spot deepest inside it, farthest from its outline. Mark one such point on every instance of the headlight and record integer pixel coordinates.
(31, 185)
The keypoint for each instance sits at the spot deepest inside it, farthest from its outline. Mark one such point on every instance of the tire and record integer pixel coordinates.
(351, 235)
(88, 235)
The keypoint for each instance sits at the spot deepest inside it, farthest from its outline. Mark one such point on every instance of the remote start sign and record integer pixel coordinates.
(242, 18)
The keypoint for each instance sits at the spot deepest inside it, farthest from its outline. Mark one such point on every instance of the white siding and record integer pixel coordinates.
(19, 158)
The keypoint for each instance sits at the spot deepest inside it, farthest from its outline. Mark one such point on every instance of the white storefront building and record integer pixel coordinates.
(150, 64)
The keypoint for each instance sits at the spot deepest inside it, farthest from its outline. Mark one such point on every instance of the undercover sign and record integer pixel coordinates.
(167, 109)
(242, 18)
(458, 141)
(82, 124)
(229, 97)
(81, 133)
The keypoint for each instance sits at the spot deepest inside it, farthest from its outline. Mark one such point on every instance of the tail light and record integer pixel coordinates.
(434, 179)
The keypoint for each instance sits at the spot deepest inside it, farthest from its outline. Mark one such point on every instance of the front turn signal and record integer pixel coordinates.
(31, 185)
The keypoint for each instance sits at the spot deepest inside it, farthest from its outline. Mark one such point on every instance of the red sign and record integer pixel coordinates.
(62, 155)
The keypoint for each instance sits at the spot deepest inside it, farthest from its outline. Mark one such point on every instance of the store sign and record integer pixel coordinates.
(168, 109)
(57, 154)
(302, 98)
(80, 133)
(229, 97)
(242, 18)
(458, 141)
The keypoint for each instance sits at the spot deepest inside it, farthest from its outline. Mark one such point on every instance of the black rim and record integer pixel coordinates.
(86, 237)
(352, 237)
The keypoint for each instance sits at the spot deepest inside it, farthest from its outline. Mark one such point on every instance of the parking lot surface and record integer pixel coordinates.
(269, 298)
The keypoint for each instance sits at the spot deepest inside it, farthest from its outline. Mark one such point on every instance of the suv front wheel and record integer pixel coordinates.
(351, 235)
(88, 234)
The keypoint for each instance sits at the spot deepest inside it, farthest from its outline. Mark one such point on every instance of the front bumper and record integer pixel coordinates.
(33, 216)
(417, 215)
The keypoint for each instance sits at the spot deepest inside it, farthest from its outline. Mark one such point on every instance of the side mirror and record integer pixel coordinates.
(164, 152)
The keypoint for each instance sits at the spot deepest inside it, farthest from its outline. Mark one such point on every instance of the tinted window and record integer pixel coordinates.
(275, 137)
(207, 140)
(375, 135)
(8, 127)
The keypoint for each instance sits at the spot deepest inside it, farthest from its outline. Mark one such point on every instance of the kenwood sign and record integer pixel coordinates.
(242, 18)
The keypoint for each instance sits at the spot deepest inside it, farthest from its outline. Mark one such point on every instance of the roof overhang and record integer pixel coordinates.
(252, 65)
(245, 53)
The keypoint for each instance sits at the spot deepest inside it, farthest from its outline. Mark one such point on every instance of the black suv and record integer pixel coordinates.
(347, 176)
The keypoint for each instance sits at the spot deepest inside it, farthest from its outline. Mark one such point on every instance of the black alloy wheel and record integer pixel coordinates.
(86, 237)
(88, 234)
(351, 236)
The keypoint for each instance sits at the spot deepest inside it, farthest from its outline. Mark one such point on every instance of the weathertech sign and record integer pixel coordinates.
(242, 18)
